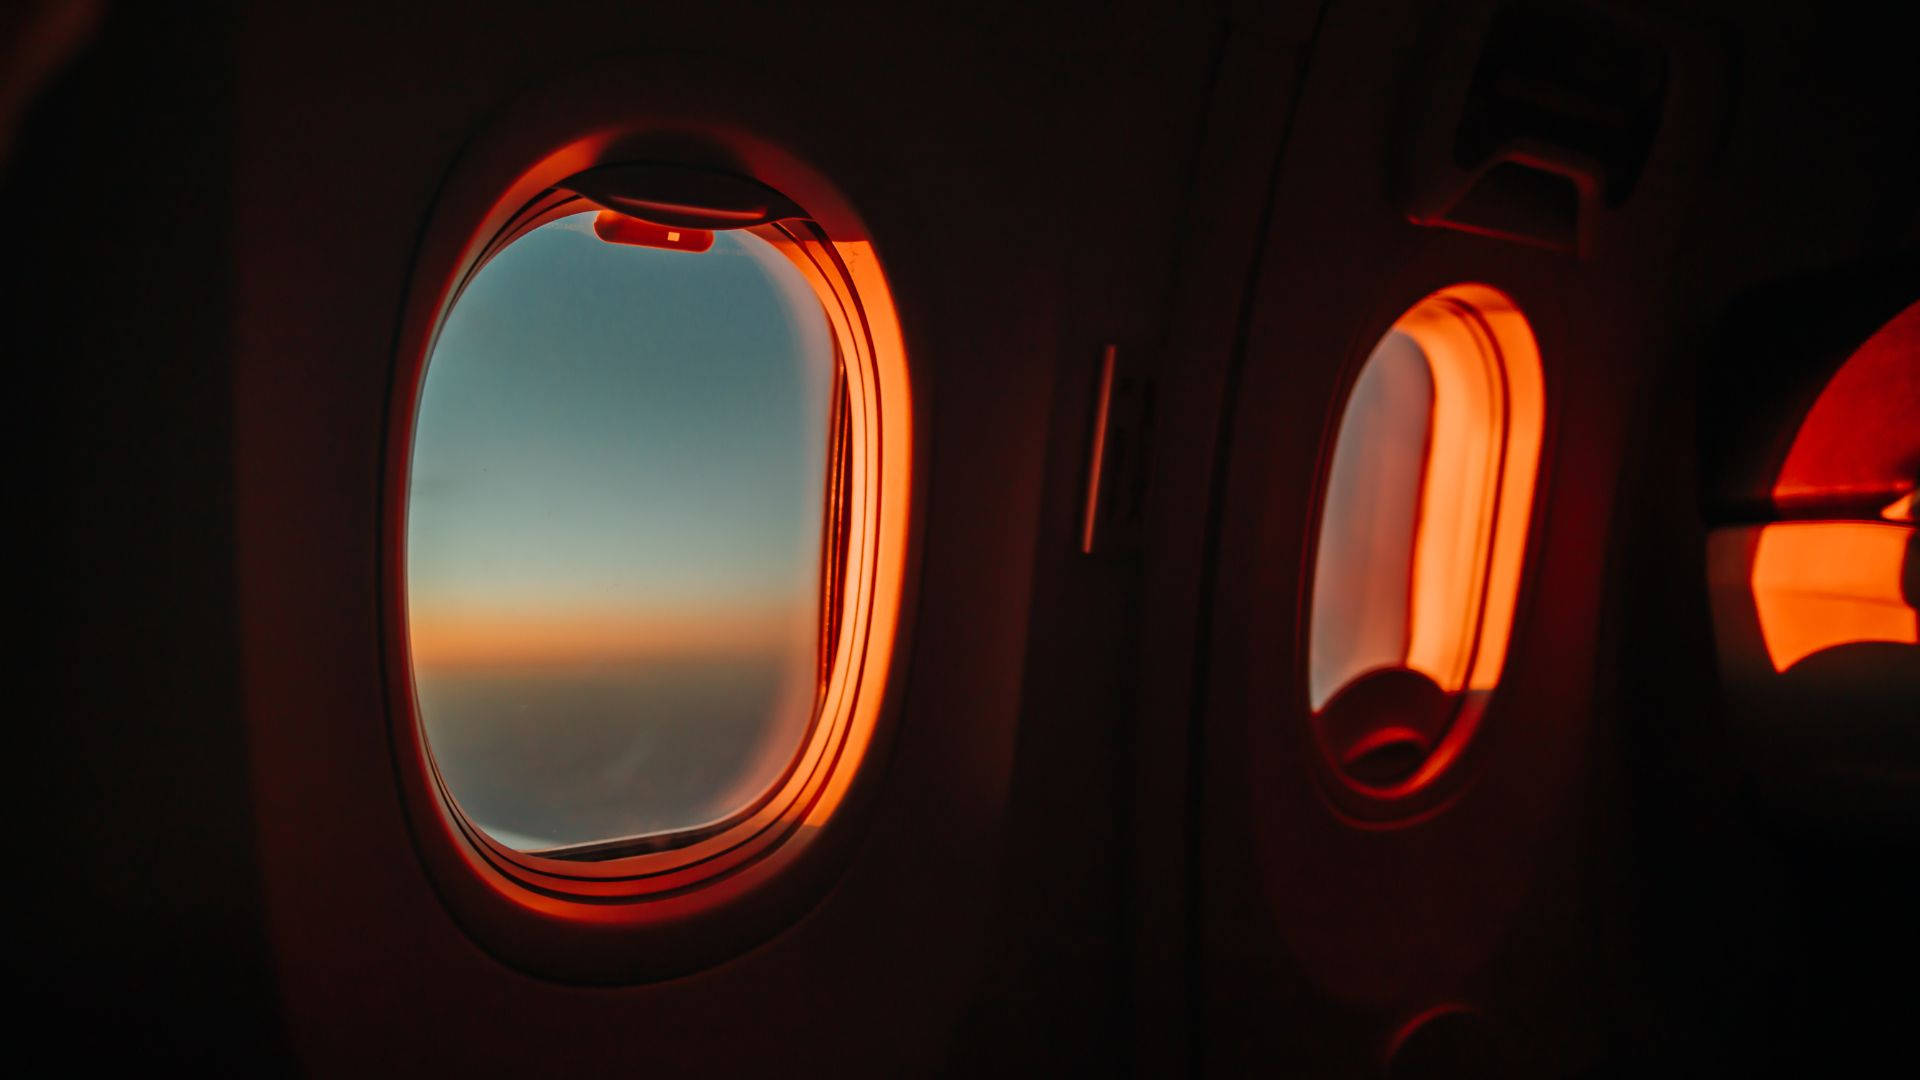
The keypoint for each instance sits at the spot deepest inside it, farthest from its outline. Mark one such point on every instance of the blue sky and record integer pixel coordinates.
(608, 428)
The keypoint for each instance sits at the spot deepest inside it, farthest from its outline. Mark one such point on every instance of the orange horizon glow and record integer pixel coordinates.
(854, 620)
(1820, 584)
(559, 639)
(859, 308)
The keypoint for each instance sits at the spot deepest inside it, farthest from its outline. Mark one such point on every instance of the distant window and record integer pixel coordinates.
(1422, 533)
(1816, 586)
(618, 560)
(1831, 578)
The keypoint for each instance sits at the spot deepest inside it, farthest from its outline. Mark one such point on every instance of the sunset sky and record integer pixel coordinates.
(613, 532)
(618, 447)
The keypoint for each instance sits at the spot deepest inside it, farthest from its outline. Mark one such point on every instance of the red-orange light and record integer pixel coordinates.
(1423, 533)
(1900, 509)
(1479, 494)
(1859, 444)
(621, 229)
(884, 474)
(1819, 584)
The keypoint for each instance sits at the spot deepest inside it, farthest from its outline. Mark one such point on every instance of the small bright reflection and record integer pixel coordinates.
(614, 534)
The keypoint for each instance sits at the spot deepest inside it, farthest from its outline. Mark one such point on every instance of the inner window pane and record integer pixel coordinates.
(614, 534)
(1363, 576)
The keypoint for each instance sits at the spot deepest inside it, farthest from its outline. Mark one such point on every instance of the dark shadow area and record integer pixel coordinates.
(141, 923)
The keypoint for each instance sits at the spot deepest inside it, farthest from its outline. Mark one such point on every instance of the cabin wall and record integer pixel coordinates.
(1097, 840)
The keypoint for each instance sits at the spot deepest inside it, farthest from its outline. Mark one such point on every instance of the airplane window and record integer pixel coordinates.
(1819, 585)
(1829, 580)
(1422, 533)
(616, 527)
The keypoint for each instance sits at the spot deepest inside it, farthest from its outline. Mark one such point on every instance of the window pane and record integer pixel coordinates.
(614, 534)
(1367, 528)
(1422, 533)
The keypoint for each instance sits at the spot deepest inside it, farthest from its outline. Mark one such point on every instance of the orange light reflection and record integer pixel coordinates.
(1860, 442)
(550, 638)
(1456, 502)
(1489, 410)
(883, 467)
(859, 306)
(1826, 583)
(1428, 583)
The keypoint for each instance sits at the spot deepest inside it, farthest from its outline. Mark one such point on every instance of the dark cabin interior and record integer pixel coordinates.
(1098, 828)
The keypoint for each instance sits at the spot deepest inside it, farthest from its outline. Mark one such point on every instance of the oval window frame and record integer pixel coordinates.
(1811, 572)
(1499, 327)
(649, 914)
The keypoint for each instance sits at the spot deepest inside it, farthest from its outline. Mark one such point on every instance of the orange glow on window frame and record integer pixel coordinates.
(1841, 574)
(1485, 430)
(730, 855)
(1819, 584)
(857, 299)
(477, 640)
(1488, 412)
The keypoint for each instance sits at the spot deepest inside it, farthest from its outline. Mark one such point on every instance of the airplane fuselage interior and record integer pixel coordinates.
(1338, 538)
